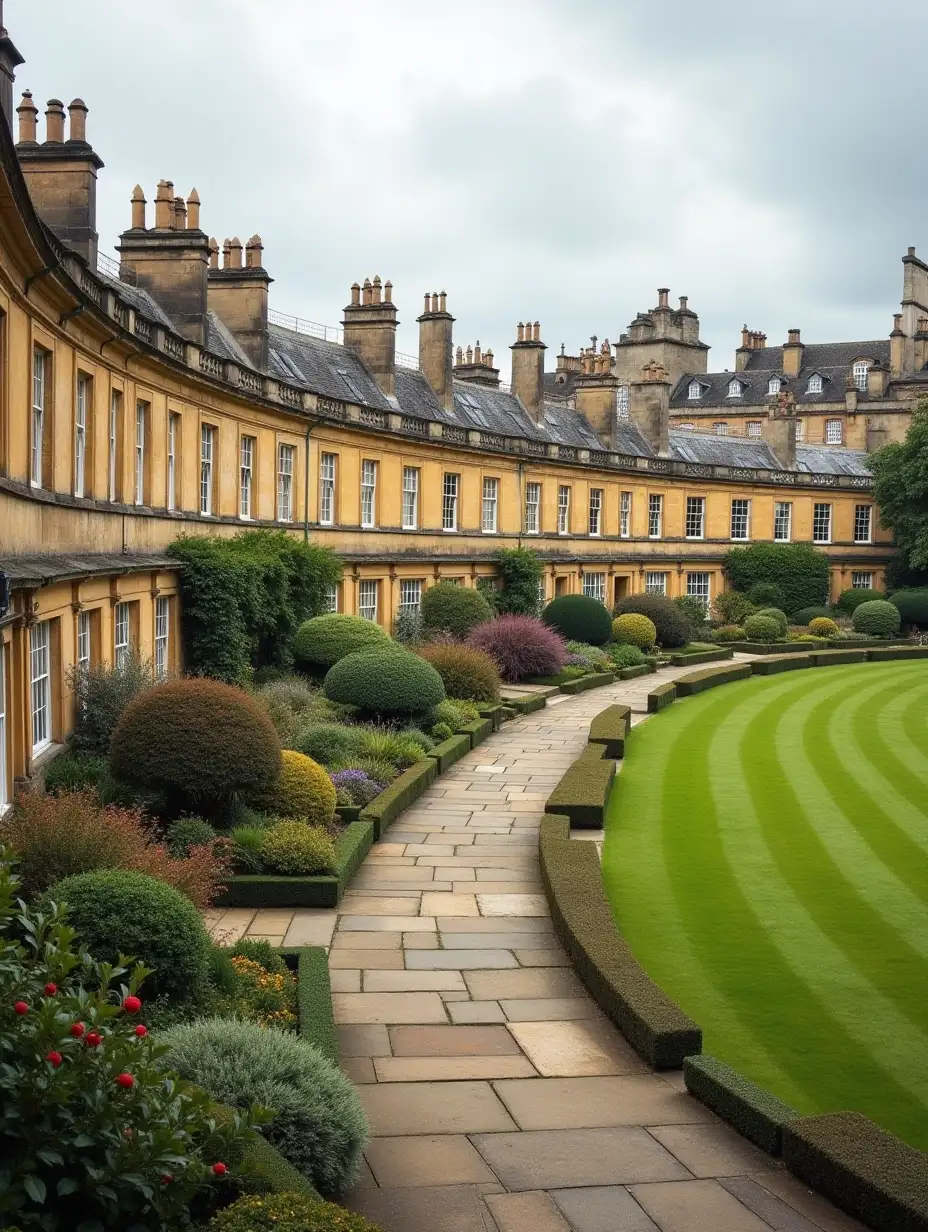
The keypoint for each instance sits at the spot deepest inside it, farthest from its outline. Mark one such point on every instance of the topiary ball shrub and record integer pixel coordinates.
(849, 600)
(455, 609)
(579, 618)
(294, 849)
(324, 640)
(806, 615)
(673, 629)
(633, 629)
(385, 682)
(775, 614)
(327, 743)
(287, 1212)
(766, 595)
(465, 672)
(521, 646)
(116, 911)
(197, 741)
(302, 789)
(823, 626)
(762, 629)
(912, 606)
(319, 1124)
(877, 618)
(189, 832)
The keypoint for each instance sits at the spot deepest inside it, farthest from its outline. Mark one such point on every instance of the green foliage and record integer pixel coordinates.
(806, 615)
(913, 607)
(695, 612)
(376, 768)
(319, 1125)
(407, 628)
(877, 618)
(198, 741)
(634, 629)
(900, 488)
(246, 848)
(442, 731)
(76, 772)
(728, 633)
(289, 1212)
(626, 656)
(456, 609)
(520, 572)
(824, 626)
(189, 832)
(324, 640)
(261, 952)
(759, 628)
(258, 995)
(292, 703)
(78, 1149)
(465, 672)
(294, 849)
(595, 657)
(328, 743)
(776, 614)
(385, 682)
(453, 713)
(731, 607)
(302, 789)
(673, 629)
(379, 743)
(101, 694)
(849, 600)
(117, 911)
(419, 737)
(244, 598)
(800, 571)
(766, 595)
(579, 618)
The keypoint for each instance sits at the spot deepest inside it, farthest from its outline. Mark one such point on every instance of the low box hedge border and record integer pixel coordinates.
(663, 696)
(886, 654)
(653, 1024)
(610, 728)
(754, 1112)
(632, 673)
(828, 658)
(494, 711)
(583, 792)
(775, 664)
(477, 731)
(680, 659)
(766, 648)
(398, 795)
(710, 678)
(583, 684)
(528, 704)
(450, 751)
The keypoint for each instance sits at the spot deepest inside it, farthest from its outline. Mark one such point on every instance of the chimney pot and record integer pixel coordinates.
(226, 254)
(443, 301)
(28, 119)
(378, 287)
(54, 122)
(488, 357)
(368, 297)
(470, 354)
(537, 332)
(388, 292)
(356, 293)
(77, 113)
(180, 214)
(138, 208)
(459, 357)
(193, 210)
(213, 253)
(794, 335)
(235, 254)
(663, 297)
(912, 250)
(520, 333)
(427, 307)
(684, 301)
(747, 338)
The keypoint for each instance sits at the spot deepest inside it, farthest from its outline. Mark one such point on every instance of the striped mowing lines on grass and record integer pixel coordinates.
(767, 858)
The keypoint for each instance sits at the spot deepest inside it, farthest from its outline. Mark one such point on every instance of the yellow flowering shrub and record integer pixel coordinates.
(263, 996)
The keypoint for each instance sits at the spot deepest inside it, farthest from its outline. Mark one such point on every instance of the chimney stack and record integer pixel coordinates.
(897, 342)
(10, 60)
(528, 369)
(370, 329)
(779, 430)
(596, 392)
(792, 354)
(238, 294)
(435, 347)
(649, 405)
(476, 367)
(663, 298)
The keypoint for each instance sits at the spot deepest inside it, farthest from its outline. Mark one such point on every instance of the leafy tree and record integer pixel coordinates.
(900, 487)
(520, 571)
(800, 571)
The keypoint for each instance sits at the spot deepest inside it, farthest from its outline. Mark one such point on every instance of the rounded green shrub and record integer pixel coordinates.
(912, 606)
(759, 628)
(728, 633)
(116, 911)
(188, 832)
(465, 672)
(806, 615)
(455, 713)
(775, 614)
(673, 629)
(878, 618)
(442, 731)
(197, 741)
(319, 1125)
(454, 609)
(823, 626)
(849, 600)
(766, 595)
(392, 682)
(327, 743)
(287, 1212)
(294, 849)
(302, 789)
(626, 656)
(634, 629)
(596, 658)
(579, 618)
(324, 640)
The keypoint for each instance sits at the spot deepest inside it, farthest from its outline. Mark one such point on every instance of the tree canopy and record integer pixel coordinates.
(900, 488)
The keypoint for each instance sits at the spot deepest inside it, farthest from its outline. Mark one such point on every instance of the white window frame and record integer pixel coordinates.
(368, 596)
(699, 586)
(246, 474)
(800, 430)
(563, 509)
(113, 443)
(863, 523)
(207, 453)
(625, 515)
(594, 586)
(489, 515)
(655, 583)
(861, 579)
(821, 520)
(861, 374)
(687, 427)
(740, 519)
(774, 385)
(755, 428)
(720, 428)
(410, 596)
(655, 515)
(451, 485)
(331, 597)
(171, 487)
(368, 493)
(328, 463)
(4, 767)
(84, 388)
(542, 592)
(122, 647)
(410, 498)
(834, 432)
(735, 389)
(782, 517)
(815, 384)
(532, 508)
(622, 402)
(286, 464)
(83, 640)
(694, 393)
(141, 416)
(40, 682)
(596, 513)
(162, 635)
(39, 392)
(695, 517)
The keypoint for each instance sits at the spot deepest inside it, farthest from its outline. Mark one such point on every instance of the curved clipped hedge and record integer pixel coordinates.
(634, 629)
(578, 618)
(324, 640)
(878, 618)
(673, 629)
(302, 789)
(456, 609)
(385, 682)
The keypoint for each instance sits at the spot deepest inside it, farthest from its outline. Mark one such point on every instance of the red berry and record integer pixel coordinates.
(94, 1039)
(54, 1059)
(219, 1169)
(125, 1080)
(51, 989)
(166, 1178)
(77, 1029)
(21, 1008)
(132, 1005)
(141, 1031)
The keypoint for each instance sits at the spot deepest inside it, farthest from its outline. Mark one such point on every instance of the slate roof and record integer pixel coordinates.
(221, 342)
(754, 387)
(560, 385)
(323, 367)
(140, 300)
(40, 569)
(825, 354)
(707, 449)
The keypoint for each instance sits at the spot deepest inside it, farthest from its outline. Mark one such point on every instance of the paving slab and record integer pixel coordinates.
(528, 982)
(541, 958)
(603, 1208)
(448, 1208)
(526, 1212)
(549, 1009)
(439, 1159)
(565, 1159)
(576, 1049)
(310, 928)
(372, 960)
(386, 924)
(363, 1041)
(452, 1041)
(460, 960)
(712, 1150)
(450, 1069)
(476, 1012)
(696, 1206)
(413, 981)
(448, 904)
(388, 1007)
(395, 1109)
(574, 1103)
(512, 904)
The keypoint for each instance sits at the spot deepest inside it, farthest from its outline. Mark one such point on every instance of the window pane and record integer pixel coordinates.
(115, 411)
(368, 491)
(596, 511)
(121, 635)
(449, 503)
(367, 599)
(327, 489)
(782, 521)
(38, 415)
(532, 507)
(563, 510)
(821, 523)
(833, 432)
(246, 468)
(754, 428)
(285, 461)
(698, 587)
(695, 516)
(83, 639)
(410, 498)
(39, 663)
(622, 402)
(80, 434)
(490, 504)
(331, 598)
(140, 417)
(740, 519)
(861, 581)
(862, 520)
(655, 516)
(655, 583)
(625, 514)
(162, 635)
(4, 770)
(410, 596)
(594, 586)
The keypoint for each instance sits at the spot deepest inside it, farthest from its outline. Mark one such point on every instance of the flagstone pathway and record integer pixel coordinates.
(500, 1098)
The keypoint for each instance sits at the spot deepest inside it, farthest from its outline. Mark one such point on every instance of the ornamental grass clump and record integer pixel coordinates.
(634, 629)
(327, 743)
(521, 646)
(287, 1212)
(579, 618)
(877, 618)
(302, 789)
(294, 849)
(465, 672)
(319, 1125)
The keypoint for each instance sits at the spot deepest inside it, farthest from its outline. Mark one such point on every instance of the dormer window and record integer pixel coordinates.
(735, 389)
(774, 385)
(861, 372)
(815, 384)
(695, 391)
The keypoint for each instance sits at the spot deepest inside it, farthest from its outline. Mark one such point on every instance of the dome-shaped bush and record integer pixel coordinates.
(115, 911)
(775, 614)
(197, 741)
(385, 682)
(634, 629)
(521, 646)
(912, 606)
(579, 618)
(823, 626)
(673, 629)
(877, 618)
(465, 672)
(287, 1212)
(324, 640)
(762, 629)
(456, 609)
(327, 743)
(849, 600)
(294, 849)
(625, 655)
(806, 615)
(728, 633)
(302, 789)
(766, 594)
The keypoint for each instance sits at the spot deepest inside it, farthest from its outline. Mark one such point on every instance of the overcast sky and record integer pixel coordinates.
(549, 159)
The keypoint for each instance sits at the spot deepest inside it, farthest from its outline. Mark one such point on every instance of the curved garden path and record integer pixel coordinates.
(500, 1098)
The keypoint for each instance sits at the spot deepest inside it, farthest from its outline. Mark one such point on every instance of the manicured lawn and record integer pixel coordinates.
(766, 856)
